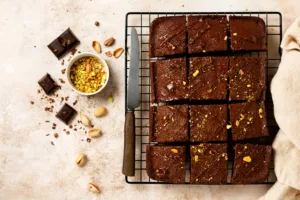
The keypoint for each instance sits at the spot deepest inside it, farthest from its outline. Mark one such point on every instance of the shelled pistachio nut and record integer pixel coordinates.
(100, 112)
(81, 159)
(93, 188)
(95, 132)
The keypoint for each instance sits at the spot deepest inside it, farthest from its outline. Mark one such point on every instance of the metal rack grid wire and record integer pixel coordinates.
(141, 21)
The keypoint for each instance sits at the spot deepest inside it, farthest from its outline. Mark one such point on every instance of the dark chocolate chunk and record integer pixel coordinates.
(47, 84)
(168, 80)
(166, 163)
(251, 163)
(207, 33)
(208, 78)
(65, 43)
(248, 120)
(167, 36)
(247, 77)
(66, 113)
(208, 164)
(169, 124)
(208, 123)
(247, 33)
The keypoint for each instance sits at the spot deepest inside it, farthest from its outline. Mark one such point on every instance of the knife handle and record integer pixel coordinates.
(129, 145)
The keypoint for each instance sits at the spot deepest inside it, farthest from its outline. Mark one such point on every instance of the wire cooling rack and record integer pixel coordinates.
(141, 21)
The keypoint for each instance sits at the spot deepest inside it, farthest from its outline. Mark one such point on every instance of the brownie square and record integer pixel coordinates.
(166, 163)
(247, 78)
(208, 78)
(207, 33)
(48, 84)
(248, 120)
(208, 163)
(168, 80)
(66, 113)
(64, 43)
(167, 36)
(247, 33)
(208, 123)
(251, 163)
(169, 124)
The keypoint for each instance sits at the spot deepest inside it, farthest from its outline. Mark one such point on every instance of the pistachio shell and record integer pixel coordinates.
(100, 112)
(81, 159)
(118, 52)
(95, 132)
(85, 120)
(93, 188)
(96, 45)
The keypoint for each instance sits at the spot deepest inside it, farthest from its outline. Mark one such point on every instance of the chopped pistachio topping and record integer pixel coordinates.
(196, 158)
(203, 51)
(228, 126)
(110, 99)
(165, 117)
(260, 110)
(196, 73)
(209, 91)
(247, 159)
(248, 85)
(242, 117)
(183, 82)
(206, 116)
(234, 34)
(174, 150)
(237, 123)
(241, 72)
(225, 38)
(173, 119)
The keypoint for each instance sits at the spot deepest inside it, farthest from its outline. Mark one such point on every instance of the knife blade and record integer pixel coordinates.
(133, 101)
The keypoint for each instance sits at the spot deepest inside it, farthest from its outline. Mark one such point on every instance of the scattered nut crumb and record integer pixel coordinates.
(61, 80)
(71, 126)
(68, 132)
(97, 23)
(47, 121)
(75, 102)
(62, 62)
(108, 54)
(38, 91)
(56, 135)
(110, 41)
(88, 140)
(73, 52)
(52, 143)
(63, 71)
(47, 134)
(32, 102)
(67, 98)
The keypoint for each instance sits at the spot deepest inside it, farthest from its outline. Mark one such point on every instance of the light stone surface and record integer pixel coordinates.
(30, 167)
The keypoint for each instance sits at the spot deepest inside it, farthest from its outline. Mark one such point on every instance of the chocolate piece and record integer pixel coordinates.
(169, 124)
(47, 84)
(168, 80)
(208, 78)
(167, 36)
(247, 77)
(208, 123)
(248, 120)
(65, 43)
(166, 163)
(247, 33)
(66, 113)
(207, 33)
(251, 163)
(208, 163)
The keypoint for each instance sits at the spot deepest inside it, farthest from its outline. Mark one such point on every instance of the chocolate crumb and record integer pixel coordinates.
(97, 23)
(32, 102)
(34, 46)
(67, 98)
(54, 124)
(63, 71)
(51, 100)
(73, 52)
(64, 129)
(92, 125)
(68, 132)
(53, 127)
(79, 51)
(56, 135)
(56, 95)
(52, 143)
(62, 62)
(85, 132)
(88, 140)
(75, 129)
(71, 126)
(47, 134)
(47, 121)
(38, 91)
(75, 102)
(61, 80)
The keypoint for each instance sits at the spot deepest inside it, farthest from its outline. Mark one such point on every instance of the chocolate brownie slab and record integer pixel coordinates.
(169, 124)
(248, 120)
(251, 163)
(207, 33)
(208, 163)
(168, 80)
(166, 163)
(247, 77)
(208, 123)
(208, 78)
(167, 36)
(247, 33)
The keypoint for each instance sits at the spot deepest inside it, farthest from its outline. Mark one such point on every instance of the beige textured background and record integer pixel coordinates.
(30, 167)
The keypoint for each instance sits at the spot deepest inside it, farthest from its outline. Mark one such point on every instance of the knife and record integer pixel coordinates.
(133, 101)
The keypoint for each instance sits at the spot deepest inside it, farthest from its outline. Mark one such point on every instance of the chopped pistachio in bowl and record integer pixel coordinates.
(87, 73)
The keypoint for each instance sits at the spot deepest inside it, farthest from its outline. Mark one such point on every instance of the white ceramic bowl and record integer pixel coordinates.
(81, 55)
